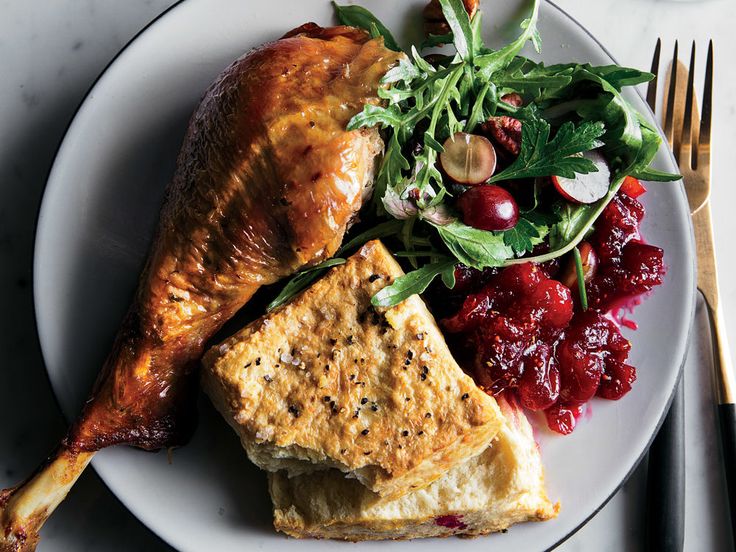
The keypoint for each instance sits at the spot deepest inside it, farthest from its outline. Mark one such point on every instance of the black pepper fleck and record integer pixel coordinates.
(368, 452)
(268, 378)
(326, 398)
(405, 433)
(350, 340)
(423, 376)
(258, 361)
(294, 411)
(333, 342)
(373, 277)
(363, 400)
(428, 415)
(374, 407)
(365, 432)
(465, 396)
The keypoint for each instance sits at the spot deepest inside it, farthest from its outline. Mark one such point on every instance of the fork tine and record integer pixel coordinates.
(703, 157)
(652, 88)
(669, 112)
(686, 140)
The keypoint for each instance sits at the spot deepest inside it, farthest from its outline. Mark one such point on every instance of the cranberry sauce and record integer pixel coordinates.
(525, 333)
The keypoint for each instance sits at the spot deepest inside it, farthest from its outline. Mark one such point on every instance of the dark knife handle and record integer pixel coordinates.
(727, 420)
(666, 481)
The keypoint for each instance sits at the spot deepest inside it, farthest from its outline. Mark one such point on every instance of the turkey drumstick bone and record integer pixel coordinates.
(267, 182)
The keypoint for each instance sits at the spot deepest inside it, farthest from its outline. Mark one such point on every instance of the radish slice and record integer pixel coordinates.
(586, 188)
(468, 159)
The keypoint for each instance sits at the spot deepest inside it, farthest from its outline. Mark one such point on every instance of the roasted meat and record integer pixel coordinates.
(267, 182)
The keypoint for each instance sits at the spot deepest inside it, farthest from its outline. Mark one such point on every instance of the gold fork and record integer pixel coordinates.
(689, 136)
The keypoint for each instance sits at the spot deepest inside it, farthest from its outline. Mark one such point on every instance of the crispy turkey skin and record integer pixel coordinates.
(267, 182)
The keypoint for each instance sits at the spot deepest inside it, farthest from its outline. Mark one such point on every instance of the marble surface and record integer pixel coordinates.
(49, 55)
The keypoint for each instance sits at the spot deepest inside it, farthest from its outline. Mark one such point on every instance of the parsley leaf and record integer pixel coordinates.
(540, 156)
(525, 235)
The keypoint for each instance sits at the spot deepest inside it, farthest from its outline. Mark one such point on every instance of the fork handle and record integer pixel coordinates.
(666, 480)
(726, 399)
(727, 420)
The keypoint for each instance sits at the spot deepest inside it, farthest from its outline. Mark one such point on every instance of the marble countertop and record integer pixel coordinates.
(49, 55)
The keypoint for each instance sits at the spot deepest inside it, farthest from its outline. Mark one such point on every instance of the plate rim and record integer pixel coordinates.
(86, 96)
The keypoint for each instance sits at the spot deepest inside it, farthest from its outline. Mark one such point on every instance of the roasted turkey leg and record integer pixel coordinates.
(267, 182)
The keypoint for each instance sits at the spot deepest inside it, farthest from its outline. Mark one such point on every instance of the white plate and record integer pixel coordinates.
(98, 213)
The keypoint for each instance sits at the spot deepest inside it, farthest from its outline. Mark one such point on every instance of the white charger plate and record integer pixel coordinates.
(97, 218)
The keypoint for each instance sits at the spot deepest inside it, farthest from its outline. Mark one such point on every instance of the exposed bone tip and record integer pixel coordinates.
(25, 508)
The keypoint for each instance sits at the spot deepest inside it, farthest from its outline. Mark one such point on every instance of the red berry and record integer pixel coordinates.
(488, 208)
(552, 304)
(580, 372)
(539, 387)
(644, 265)
(563, 418)
(501, 342)
(616, 380)
(520, 278)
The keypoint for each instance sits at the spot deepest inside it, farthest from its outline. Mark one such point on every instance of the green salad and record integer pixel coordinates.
(565, 123)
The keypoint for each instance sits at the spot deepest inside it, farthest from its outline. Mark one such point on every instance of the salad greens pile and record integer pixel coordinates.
(569, 109)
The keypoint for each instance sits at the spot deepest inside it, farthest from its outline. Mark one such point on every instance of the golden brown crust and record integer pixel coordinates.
(327, 379)
(490, 492)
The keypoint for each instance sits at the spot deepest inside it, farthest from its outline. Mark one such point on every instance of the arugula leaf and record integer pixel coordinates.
(414, 282)
(618, 76)
(650, 142)
(373, 115)
(462, 33)
(654, 175)
(301, 281)
(405, 71)
(540, 156)
(572, 219)
(533, 79)
(477, 114)
(524, 236)
(473, 247)
(491, 62)
(357, 16)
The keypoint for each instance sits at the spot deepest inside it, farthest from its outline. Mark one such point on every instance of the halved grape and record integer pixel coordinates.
(468, 159)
